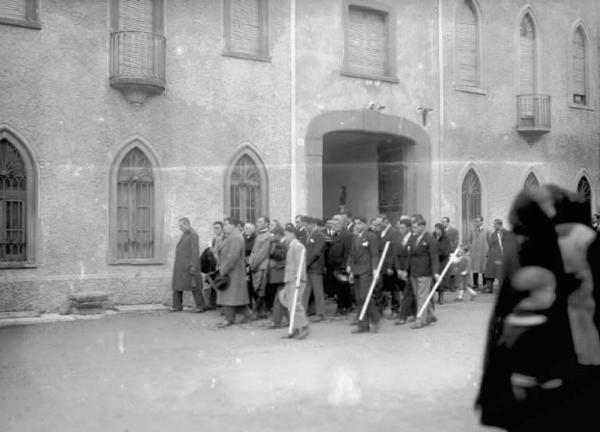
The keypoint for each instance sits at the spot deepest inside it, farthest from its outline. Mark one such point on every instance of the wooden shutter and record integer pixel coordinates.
(14, 9)
(527, 56)
(367, 41)
(136, 15)
(135, 207)
(246, 26)
(137, 18)
(579, 72)
(471, 202)
(468, 46)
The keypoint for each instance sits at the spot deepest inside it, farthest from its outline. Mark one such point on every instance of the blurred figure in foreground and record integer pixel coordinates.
(542, 361)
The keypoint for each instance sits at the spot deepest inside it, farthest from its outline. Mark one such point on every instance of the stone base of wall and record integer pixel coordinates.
(47, 295)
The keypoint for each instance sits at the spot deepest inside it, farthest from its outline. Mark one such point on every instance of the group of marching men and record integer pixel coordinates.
(270, 270)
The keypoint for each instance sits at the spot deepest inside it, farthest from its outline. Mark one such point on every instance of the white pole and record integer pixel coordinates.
(437, 284)
(296, 288)
(372, 287)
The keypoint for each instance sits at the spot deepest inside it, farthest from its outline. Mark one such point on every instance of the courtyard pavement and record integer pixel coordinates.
(161, 371)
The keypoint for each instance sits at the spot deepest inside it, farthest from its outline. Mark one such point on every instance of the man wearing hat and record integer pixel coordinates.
(315, 265)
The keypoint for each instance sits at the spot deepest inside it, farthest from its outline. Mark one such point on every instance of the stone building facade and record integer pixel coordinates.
(119, 116)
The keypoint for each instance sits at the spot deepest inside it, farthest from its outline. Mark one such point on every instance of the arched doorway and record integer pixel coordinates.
(383, 160)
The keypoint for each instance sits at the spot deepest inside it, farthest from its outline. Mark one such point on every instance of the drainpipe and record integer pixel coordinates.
(440, 164)
(293, 156)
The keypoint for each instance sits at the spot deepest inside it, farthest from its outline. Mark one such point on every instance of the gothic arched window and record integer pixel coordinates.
(584, 188)
(527, 55)
(245, 190)
(471, 201)
(531, 182)
(13, 204)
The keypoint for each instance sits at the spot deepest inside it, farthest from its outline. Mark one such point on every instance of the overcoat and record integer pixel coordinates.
(478, 246)
(231, 263)
(496, 240)
(185, 268)
(315, 248)
(452, 234)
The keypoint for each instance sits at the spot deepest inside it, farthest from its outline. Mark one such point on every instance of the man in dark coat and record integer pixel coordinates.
(186, 273)
(408, 303)
(362, 264)
(451, 233)
(315, 267)
(493, 267)
(423, 267)
(389, 280)
(234, 298)
(337, 258)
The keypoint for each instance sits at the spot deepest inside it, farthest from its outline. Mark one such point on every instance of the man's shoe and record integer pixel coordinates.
(273, 326)
(354, 322)
(317, 318)
(417, 325)
(360, 330)
(291, 335)
(304, 331)
(224, 324)
(400, 322)
(393, 316)
(375, 327)
(200, 310)
(431, 320)
(411, 319)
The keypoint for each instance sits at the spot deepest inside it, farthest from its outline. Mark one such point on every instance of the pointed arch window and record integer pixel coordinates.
(527, 55)
(246, 188)
(17, 203)
(471, 201)
(467, 43)
(579, 72)
(584, 188)
(136, 230)
(531, 182)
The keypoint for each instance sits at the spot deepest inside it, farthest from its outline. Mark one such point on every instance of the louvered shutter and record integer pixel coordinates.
(468, 47)
(246, 26)
(14, 9)
(527, 56)
(366, 42)
(579, 66)
(136, 16)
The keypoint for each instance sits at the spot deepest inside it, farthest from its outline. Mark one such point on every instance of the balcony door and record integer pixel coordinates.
(136, 15)
(527, 56)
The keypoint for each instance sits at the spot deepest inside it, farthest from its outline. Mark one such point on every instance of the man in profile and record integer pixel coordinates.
(186, 274)
(234, 298)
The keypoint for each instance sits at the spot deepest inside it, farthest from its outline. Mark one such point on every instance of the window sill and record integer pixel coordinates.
(247, 56)
(384, 78)
(147, 261)
(21, 23)
(581, 107)
(473, 90)
(17, 265)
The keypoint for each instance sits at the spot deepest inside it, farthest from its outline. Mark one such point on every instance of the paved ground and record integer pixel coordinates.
(173, 372)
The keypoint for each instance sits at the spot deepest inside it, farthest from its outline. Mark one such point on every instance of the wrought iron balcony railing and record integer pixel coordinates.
(137, 62)
(533, 113)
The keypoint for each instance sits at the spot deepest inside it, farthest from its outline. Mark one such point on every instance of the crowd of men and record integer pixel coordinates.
(254, 270)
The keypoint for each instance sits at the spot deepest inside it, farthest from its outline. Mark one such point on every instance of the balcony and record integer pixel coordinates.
(533, 113)
(137, 64)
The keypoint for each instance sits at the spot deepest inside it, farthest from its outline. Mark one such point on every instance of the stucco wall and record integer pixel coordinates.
(55, 94)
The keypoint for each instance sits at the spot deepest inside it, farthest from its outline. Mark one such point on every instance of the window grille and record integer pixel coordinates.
(245, 187)
(13, 208)
(471, 202)
(135, 207)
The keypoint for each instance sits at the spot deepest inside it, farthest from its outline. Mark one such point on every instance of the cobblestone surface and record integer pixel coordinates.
(164, 371)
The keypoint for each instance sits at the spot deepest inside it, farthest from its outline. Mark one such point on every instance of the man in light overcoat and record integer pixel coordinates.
(234, 298)
(478, 245)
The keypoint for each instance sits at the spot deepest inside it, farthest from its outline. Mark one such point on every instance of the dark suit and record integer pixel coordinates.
(423, 263)
(363, 259)
(337, 259)
(389, 282)
(452, 234)
(408, 304)
(315, 245)
(186, 273)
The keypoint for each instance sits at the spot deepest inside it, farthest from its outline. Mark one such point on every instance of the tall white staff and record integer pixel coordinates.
(372, 287)
(437, 284)
(296, 288)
